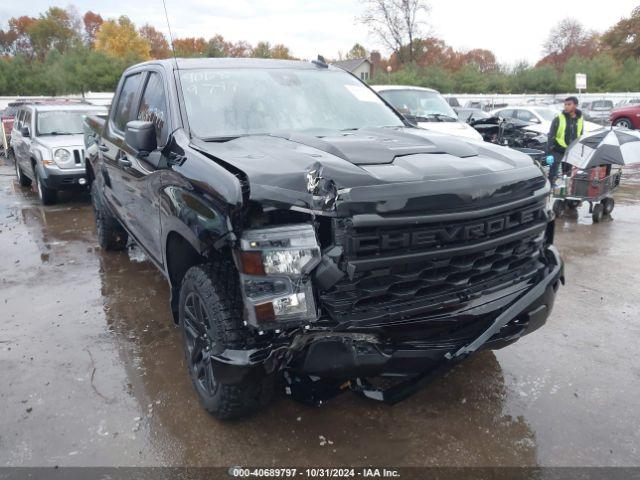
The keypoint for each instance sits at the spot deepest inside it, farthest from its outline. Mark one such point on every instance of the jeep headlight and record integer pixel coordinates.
(61, 155)
(275, 264)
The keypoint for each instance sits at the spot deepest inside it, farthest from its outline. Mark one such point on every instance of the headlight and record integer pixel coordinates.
(274, 264)
(281, 250)
(61, 155)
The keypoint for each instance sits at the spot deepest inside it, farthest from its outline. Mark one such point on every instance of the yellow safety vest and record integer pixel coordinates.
(562, 127)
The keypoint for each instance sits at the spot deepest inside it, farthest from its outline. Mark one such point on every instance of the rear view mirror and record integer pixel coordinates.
(141, 137)
(24, 131)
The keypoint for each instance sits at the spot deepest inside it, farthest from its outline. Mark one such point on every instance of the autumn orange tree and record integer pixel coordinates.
(119, 38)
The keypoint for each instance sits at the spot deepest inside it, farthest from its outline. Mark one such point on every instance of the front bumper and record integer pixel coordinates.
(59, 179)
(348, 354)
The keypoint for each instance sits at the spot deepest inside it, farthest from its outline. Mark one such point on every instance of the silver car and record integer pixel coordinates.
(48, 146)
(598, 111)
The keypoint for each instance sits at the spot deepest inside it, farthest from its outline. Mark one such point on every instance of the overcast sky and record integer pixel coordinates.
(513, 30)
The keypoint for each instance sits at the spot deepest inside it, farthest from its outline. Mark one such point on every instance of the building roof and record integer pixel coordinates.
(351, 64)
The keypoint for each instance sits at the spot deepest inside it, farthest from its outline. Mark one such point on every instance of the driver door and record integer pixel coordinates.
(138, 181)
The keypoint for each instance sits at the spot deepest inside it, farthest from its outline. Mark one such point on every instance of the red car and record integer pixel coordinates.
(627, 116)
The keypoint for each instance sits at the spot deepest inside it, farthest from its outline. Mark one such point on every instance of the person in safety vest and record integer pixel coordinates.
(565, 128)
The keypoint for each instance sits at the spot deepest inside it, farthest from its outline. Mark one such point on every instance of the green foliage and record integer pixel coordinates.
(78, 70)
(603, 72)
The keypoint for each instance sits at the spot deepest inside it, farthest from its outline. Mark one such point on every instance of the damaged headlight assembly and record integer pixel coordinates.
(275, 264)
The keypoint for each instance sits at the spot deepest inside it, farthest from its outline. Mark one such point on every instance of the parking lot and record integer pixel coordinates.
(92, 369)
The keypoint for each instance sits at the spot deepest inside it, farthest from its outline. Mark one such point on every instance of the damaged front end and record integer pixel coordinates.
(340, 299)
(384, 254)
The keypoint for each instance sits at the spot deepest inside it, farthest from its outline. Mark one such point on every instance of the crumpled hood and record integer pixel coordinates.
(384, 163)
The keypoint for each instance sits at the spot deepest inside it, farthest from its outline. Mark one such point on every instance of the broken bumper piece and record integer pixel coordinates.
(319, 362)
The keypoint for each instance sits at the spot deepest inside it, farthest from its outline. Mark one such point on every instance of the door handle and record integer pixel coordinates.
(123, 161)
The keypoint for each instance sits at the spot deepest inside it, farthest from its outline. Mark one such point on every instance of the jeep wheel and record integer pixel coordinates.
(47, 196)
(211, 312)
(111, 235)
(22, 179)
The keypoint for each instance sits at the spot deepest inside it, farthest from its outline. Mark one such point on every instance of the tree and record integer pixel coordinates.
(396, 23)
(92, 22)
(262, 50)
(433, 51)
(483, 60)
(53, 30)
(217, 46)
(7, 41)
(281, 52)
(567, 39)
(357, 51)
(623, 39)
(19, 28)
(158, 45)
(119, 38)
(240, 49)
(190, 46)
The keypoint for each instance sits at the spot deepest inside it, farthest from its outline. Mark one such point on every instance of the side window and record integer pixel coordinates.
(525, 115)
(26, 119)
(125, 106)
(153, 107)
(507, 113)
(18, 120)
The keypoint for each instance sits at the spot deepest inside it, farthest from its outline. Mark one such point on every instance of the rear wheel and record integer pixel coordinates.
(22, 179)
(48, 196)
(211, 312)
(111, 235)
(624, 123)
(597, 213)
(607, 205)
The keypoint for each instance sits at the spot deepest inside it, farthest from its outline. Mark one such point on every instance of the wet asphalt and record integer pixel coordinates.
(92, 370)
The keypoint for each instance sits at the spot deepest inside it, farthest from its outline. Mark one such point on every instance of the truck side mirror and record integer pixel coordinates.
(24, 131)
(141, 137)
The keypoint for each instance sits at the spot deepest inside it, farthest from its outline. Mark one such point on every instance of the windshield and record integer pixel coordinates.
(61, 122)
(546, 113)
(421, 105)
(602, 105)
(223, 103)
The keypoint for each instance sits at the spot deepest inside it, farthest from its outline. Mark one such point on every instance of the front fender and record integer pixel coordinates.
(202, 222)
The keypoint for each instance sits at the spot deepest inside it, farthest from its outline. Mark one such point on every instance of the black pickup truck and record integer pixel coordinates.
(311, 236)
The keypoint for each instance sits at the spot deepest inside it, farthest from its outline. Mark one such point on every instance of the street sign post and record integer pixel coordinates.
(581, 82)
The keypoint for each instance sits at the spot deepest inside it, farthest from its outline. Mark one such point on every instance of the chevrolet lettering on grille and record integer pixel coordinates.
(444, 235)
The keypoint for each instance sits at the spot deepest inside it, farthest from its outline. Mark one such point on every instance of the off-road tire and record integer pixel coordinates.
(48, 196)
(23, 180)
(111, 235)
(217, 286)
